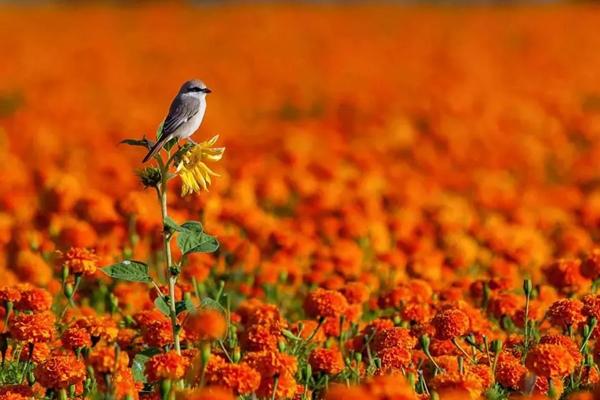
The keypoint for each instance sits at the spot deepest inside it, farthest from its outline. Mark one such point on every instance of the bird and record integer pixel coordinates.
(185, 114)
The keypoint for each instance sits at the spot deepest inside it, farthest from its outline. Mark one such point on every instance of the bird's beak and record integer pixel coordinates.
(207, 90)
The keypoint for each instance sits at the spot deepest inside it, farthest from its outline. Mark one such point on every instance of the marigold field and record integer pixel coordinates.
(403, 202)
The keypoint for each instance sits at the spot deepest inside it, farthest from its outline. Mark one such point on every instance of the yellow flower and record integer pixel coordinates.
(192, 169)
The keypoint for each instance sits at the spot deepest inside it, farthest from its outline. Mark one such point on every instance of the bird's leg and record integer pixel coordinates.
(192, 141)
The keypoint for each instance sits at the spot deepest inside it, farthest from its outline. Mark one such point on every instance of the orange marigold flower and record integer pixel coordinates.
(550, 361)
(509, 371)
(286, 387)
(355, 292)
(393, 337)
(565, 275)
(394, 359)
(591, 305)
(466, 383)
(377, 325)
(99, 327)
(327, 361)
(257, 338)
(417, 312)
(74, 338)
(41, 351)
(80, 261)
(33, 328)
(60, 372)
(566, 343)
(271, 363)
(323, 303)
(343, 392)
(208, 393)
(566, 312)
(505, 304)
(34, 299)
(124, 385)
(450, 323)
(104, 361)
(31, 267)
(240, 378)
(25, 391)
(10, 294)
(166, 366)
(590, 268)
(205, 324)
(158, 333)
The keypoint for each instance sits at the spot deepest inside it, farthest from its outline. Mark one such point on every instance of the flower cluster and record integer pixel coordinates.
(427, 229)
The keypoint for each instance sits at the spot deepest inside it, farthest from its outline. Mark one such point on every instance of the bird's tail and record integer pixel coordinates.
(157, 146)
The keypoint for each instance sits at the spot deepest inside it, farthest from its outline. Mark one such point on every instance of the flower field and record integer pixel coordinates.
(385, 202)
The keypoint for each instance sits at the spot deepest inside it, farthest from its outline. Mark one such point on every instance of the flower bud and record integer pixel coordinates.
(68, 291)
(237, 355)
(496, 346)
(281, 346)
(424, 339)
(150, 176)
(527, 287)
(205, 353)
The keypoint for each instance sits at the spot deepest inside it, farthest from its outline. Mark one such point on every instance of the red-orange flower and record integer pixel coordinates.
(327, 361)
(74, 338)
(166, 366)
(566, 312)
(323, 303)
(80, 261)
(205, 324)
(60, 372)
(34, 299)
(550, 361)
(450, 323)
(590, 268)
(34, 328)
(240, 378)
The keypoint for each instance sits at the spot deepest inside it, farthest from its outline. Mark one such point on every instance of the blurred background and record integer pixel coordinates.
(510, 92)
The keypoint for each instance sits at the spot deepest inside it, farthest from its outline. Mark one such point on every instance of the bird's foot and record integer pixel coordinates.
(192, 141)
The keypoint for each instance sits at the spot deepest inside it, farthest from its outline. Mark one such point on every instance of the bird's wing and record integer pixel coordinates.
(179, 113)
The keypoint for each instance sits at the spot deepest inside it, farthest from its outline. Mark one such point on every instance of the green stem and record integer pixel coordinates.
(170, 270)
(71, 302)
(459, 347)
(276, 383)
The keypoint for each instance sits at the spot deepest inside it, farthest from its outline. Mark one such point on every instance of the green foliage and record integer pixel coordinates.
(192, 239)
(162, 304)
(128, 270)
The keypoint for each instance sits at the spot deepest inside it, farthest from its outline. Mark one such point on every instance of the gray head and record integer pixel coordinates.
(194, 87)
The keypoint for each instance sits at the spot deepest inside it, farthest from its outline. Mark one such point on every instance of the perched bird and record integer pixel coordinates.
(185, 114)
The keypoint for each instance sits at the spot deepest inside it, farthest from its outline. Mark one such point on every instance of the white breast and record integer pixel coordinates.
(186, 130)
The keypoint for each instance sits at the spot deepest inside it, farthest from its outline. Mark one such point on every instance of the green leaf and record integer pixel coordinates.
(290, 335)
(185, 305)
(128, 270)
(207, 302)
(138, 366)
(192, 239)
(163, 307)
(193, 226)
(137, 142)
(189, 305)
(171, 224)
